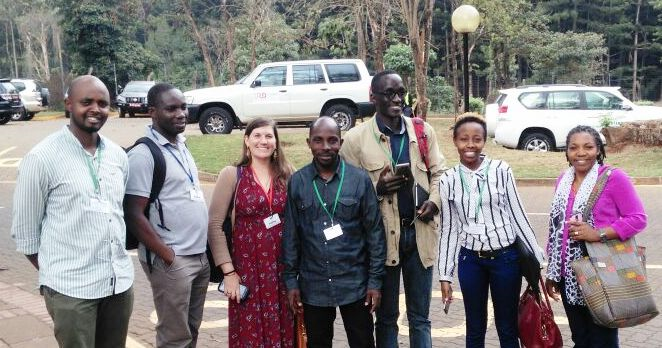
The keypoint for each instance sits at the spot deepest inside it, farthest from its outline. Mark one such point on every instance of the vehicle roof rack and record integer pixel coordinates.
(555, 85)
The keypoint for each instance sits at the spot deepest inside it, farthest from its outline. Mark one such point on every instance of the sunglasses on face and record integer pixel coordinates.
(390, 94)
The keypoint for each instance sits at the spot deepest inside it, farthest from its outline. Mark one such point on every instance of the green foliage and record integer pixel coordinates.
(567, 57)
(440, 94)
(337, 34)
(607, 121)
(476, 105)
(398, 57)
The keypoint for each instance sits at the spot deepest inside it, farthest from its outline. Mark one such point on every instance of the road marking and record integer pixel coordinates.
(9, 162)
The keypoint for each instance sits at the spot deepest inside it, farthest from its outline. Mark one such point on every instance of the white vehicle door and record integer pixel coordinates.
(605, 106)
(268, 95)
(309, 90)
(565, 112)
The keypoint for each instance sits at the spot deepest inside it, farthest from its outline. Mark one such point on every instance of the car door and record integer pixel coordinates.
(604, 106)
(565, 112)
(269, 94)
(309, 90)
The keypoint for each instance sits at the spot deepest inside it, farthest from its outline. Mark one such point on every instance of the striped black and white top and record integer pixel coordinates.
(480, 210)
(76, 226)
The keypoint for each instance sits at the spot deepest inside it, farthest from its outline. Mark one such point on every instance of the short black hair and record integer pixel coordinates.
(377, 79)
(154, 93)
(321, 120)
(468, 119)
(602, 154)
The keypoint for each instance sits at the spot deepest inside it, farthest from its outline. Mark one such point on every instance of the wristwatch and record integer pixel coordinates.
(603, 235)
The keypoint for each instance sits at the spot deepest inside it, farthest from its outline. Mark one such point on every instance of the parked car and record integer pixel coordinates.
(133, 98)
(538, 118)
(288, 92)
(32, 95)
(10, 101)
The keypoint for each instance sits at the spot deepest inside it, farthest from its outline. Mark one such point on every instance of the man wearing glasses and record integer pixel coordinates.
(386, 146)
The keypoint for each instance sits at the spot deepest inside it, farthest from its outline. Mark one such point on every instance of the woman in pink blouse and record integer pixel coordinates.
(617, 213)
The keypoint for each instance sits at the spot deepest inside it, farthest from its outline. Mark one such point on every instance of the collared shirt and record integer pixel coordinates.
(78, 233)
(185, 219)
(338, 271)
(483, 213)
(406, 205)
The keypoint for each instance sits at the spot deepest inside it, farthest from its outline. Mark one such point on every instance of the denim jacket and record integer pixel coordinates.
(336, 271)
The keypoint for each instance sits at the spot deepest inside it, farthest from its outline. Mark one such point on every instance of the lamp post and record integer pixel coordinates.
(465, 20)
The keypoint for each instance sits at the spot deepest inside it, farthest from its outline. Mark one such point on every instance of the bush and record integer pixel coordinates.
(476, 105)
(644, 102)
(440, 94)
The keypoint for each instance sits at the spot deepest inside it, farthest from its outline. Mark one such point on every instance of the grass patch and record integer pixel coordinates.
(213, 152)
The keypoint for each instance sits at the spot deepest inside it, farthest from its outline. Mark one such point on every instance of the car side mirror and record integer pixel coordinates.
(256, 83)
(626, 107)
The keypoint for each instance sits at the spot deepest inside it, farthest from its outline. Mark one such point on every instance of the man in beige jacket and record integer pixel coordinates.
(386, 146)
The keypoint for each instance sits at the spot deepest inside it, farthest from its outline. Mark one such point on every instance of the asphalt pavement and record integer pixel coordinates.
(24, 321)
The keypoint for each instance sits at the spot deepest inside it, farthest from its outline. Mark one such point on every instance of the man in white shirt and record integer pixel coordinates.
(68, 221)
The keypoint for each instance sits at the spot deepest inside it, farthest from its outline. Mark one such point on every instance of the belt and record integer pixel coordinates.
(491, 254)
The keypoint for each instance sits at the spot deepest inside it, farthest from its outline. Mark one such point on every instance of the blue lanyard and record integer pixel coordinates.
(186, 169)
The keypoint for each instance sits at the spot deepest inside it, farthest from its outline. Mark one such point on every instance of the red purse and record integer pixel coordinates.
(535, 320)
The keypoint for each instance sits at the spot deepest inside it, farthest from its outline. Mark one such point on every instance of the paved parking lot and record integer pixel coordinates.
(25, 323)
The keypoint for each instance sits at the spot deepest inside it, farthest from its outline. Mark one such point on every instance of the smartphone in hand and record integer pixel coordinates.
(403, 169)
(243, 290)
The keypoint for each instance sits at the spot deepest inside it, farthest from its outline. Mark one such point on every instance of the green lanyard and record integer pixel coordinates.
(388, 153)
(93, 172)
(335, 202)
(479, 204)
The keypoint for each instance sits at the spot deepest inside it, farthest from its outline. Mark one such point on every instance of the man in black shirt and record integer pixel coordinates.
(334, 248)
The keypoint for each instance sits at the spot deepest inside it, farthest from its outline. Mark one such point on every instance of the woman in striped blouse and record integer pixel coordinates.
(481, 218)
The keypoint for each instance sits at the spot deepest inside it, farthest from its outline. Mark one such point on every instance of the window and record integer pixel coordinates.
(533, 100)
(566, 100)
(342, 72)
(597, 100)
(272, 76)
(307, 74)
(20, 86)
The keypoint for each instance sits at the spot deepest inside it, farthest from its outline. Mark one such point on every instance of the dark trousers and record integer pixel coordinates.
(94, 323)
(586, 333)
(355, 316)
(501, 275)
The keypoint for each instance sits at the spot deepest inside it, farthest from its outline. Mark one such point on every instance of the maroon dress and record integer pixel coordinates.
(262, 320)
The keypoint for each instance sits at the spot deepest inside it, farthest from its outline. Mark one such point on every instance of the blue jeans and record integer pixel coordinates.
(585, 333)
(418, 286)
(501, 275)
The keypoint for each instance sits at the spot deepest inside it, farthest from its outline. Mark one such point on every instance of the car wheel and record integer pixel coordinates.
(5, 118)
(537, 142)
(344, 116)
(19, 116)
(132, 114)
(122, 113)
(216, 121)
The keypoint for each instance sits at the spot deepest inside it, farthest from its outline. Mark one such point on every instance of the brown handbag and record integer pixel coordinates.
(300, 331)
(535, 320)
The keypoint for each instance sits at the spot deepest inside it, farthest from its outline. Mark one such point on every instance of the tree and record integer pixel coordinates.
(418, 17)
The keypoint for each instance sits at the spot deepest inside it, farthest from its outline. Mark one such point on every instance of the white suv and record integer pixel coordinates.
(32, 95)
(288, 92)
(538, 118)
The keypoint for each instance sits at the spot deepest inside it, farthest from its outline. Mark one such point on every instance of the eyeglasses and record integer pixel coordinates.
(390, 94)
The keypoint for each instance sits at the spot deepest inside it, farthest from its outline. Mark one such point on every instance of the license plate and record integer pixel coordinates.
(134, 105)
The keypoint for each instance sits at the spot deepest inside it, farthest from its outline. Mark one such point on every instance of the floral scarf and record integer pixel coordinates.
(562, 250)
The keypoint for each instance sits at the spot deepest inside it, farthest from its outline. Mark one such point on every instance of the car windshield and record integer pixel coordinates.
(138, 88)
(8, 87)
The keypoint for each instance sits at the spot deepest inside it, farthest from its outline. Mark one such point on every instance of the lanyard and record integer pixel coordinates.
(465, 186)
(388, 153)
(94, 172)
(268, 193)
(335, 202)
(186, 169)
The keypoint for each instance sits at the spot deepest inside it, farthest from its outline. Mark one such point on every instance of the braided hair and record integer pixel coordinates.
(602, 154)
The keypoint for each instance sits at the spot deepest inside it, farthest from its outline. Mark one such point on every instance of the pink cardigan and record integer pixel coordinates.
(618, 206)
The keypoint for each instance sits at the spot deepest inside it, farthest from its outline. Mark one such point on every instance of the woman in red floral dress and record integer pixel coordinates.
(263, 318)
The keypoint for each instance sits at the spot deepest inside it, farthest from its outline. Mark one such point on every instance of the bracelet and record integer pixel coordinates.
(229, 273)
(603, 235)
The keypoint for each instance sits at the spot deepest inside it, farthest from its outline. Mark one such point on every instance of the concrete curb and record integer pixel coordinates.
(655, 180)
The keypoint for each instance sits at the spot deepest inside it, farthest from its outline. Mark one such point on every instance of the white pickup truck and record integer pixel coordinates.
(289, 92)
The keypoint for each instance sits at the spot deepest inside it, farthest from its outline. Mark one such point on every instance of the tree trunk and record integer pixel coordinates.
(635, 84)
(43, 43)
(58, 48)
(229, 44)
(200, 40)
(13, 47)
(359, 22)
(379, 16)
(11, 72)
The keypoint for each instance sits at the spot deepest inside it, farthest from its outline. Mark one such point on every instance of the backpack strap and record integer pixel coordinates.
(158, 179)
(422, 140)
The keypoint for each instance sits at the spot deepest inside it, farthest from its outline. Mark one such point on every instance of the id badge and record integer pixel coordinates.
(99, 205)
(272, 220)
(333, 232)
(476, 229)
(196, 195)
